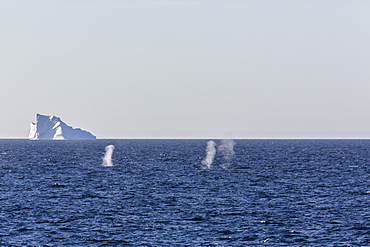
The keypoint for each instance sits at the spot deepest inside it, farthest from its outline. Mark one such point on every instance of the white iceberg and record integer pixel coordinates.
(53, 128)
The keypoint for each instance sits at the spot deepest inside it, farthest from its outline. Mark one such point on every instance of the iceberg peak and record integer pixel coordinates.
(53, 128)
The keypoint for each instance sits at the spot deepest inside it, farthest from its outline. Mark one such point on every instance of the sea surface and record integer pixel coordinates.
(159, 193)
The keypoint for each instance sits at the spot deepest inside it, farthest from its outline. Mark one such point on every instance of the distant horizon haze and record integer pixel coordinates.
(239, 69)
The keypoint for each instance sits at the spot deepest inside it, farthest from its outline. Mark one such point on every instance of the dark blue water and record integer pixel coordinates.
(273, 193)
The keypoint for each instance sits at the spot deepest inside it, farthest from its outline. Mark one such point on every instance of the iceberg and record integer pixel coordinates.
(53, 128)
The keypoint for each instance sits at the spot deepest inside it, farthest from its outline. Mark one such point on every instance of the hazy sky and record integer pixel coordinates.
(185, 69)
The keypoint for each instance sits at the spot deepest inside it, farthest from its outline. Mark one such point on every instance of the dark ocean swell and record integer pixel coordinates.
(158, 193)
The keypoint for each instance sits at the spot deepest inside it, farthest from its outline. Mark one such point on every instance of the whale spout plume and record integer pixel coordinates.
(210, 155)
(227, 150)
(107, 159)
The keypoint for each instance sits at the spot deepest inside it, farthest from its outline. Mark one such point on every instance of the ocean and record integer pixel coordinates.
(166, 193)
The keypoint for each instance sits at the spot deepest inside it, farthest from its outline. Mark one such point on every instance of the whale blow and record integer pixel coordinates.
(210, 155)
(107, 159)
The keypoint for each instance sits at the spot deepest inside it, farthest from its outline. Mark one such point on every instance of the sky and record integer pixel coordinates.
(187, 69)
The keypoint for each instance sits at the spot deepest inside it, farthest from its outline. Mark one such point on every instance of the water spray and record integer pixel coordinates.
(227, 150)
(210, 155)
(107, 160)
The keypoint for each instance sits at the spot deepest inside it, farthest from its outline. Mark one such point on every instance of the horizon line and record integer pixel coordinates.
(197, 138)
